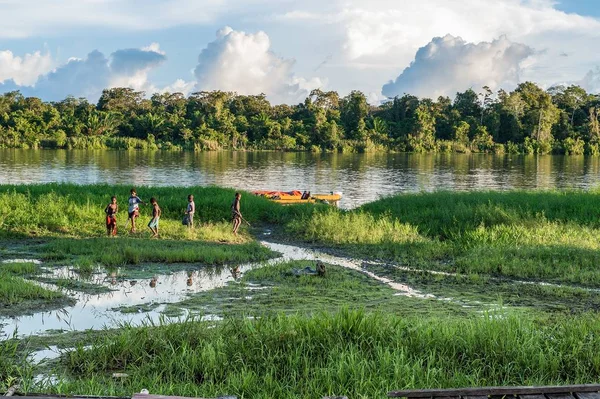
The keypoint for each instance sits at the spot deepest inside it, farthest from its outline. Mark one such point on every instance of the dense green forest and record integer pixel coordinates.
(527, 120)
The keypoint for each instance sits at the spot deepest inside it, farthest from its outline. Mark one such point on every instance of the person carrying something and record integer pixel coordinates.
(111, 218)
(191, 209)
(236, 215)
(153, 224)
(134, 208)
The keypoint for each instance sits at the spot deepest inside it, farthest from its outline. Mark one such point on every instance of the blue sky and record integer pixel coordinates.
(583, 7)
(287, 48)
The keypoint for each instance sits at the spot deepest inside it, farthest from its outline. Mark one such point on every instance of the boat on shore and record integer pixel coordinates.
(299, 197)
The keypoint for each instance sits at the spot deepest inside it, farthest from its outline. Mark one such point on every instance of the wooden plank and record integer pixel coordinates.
(560, 396)
(540, 396)
(587, 395)
(475, 397)
(496, 391)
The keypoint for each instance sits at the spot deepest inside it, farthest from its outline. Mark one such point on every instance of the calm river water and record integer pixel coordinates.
(360, 177)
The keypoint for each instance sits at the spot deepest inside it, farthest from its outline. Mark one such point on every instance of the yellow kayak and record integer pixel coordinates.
(298, 197)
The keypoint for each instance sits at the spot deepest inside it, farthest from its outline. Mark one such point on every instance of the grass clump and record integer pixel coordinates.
(334, 226)
(15, 289)
(125, 251)
(283, 288)
(350, 352)
(20, 268)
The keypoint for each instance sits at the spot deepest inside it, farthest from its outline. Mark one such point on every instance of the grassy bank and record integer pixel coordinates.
(551, 236)
(67, 210)
(352, 353)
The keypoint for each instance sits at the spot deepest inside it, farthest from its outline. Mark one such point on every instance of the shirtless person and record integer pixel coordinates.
(236, 215)
(134, 208)
(111, 219)
(191, 209)
(153, 224)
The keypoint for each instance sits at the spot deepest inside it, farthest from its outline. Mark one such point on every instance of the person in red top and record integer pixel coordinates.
(111, 218)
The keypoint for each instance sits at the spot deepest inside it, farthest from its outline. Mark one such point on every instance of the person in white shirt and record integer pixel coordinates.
(134, 208)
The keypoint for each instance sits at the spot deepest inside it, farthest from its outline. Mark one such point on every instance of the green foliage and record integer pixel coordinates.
(529, 117)
(351, 352)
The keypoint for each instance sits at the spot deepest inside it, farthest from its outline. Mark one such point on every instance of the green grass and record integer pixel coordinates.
(353, 353)
(78, 210)
(14, 367)
(549, 236)
(126, 251)
(18, 295)
(20, 268)
(280, 290)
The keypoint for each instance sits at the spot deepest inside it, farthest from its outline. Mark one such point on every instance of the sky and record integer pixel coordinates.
(56, 48)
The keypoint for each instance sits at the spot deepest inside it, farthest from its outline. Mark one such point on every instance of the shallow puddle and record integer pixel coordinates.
(95, 311)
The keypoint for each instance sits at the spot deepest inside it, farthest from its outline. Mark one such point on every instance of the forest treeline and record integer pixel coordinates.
(562, 119)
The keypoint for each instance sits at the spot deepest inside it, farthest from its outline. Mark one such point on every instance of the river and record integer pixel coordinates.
(360, 177)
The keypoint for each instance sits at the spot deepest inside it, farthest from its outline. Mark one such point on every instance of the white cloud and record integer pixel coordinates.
(244, 63)
(179, 86)
(384, 35)
(89, 76)
(449, 64)
(591, 81)
(23, 70)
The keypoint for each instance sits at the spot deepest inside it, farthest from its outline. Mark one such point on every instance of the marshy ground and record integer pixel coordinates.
(421, 290)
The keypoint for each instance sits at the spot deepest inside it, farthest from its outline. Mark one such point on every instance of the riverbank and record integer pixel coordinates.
(435, 290)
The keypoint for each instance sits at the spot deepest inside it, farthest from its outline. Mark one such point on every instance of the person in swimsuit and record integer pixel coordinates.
(153, 224)
(236, 215)
(111, 218)
(134, 208)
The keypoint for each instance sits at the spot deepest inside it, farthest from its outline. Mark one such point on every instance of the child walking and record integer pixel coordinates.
(111, 218)
(134, 208)
(191, 209)
(153, 224)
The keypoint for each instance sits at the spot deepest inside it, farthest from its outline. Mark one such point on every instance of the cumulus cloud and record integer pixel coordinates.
(376, 39)
(449, 64)
(591, 81)
(244, 63)
(23, 70)
(87, 77)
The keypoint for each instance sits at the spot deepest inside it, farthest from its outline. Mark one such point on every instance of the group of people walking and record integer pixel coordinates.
(133, 210)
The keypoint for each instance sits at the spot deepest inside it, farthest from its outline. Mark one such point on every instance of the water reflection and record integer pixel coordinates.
(361, 177)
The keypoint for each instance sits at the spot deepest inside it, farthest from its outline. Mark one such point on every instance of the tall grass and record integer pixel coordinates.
(14, 290)
(14, 367)
(352, 353)
(74, 210)
(446, 214)
(127, 251)
(551, 236)
(334, 226)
